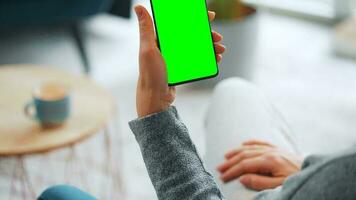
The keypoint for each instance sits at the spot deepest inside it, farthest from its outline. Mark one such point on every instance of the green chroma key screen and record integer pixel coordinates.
(185, 39)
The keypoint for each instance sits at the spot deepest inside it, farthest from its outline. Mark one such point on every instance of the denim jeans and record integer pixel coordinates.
(238, 112)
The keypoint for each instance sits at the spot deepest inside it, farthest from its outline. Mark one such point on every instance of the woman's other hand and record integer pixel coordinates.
(259, 165)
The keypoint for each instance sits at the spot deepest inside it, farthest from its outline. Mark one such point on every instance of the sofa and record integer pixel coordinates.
(17, 14)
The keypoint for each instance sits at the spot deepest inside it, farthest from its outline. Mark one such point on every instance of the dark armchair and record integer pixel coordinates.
(19, 13)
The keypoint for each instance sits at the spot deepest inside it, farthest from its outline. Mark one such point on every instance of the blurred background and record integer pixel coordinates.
(301, 53)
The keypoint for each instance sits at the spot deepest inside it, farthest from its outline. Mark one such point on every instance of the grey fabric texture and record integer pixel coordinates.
(177, 171)
(321, 178)
(171, 159)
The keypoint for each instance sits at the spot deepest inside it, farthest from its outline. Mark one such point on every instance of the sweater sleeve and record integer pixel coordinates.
(171, 159)
(322, 177)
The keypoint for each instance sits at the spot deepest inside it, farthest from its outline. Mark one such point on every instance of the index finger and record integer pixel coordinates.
(238, 150)
(252, 165)
(211, 15)
(257, 142)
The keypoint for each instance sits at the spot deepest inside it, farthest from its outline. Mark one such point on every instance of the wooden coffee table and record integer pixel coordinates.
(92, 107)
(28, 165)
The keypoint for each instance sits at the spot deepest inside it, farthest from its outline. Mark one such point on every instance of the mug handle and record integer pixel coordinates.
(29, 110)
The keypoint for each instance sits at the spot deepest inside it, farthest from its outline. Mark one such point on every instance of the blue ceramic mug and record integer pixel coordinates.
(50, 105)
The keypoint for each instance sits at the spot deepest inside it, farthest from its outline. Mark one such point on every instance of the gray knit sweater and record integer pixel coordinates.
(177, 171)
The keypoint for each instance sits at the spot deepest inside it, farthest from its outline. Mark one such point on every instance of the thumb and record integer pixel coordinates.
(260, 182)
(147, 35)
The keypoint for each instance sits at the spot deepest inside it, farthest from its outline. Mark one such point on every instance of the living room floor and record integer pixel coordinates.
(294, 65)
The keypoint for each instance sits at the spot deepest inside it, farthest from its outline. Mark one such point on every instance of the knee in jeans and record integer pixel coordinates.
(229, 96)
(233, 85)
(64, 192)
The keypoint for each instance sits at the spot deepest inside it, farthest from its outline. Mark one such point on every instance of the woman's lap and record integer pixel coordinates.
(239, 112)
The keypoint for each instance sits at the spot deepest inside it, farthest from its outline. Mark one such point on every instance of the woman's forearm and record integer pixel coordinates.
(171, 159)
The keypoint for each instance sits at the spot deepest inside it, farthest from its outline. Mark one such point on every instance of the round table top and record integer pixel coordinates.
(91, 109)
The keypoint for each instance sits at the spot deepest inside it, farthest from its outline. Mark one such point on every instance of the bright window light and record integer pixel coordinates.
(328, 9)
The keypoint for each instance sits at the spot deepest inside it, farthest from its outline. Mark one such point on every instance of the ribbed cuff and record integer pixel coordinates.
(153, 124)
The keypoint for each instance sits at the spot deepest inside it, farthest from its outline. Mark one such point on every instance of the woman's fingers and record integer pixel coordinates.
(250, 144)
(219, 48)
(211, 15)
(238, 158)
(257, 142)
(233, 152)
(217, 37)
(260, 182)
(251, 165)
(171, 95)
(218, 57)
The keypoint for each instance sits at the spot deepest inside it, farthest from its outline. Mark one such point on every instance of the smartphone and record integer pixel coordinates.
(185, 40)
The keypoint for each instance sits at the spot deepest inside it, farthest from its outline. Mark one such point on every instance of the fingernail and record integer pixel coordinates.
(138, 11)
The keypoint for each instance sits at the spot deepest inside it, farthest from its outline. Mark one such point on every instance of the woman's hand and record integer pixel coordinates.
(259, 165)
(153, 94)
